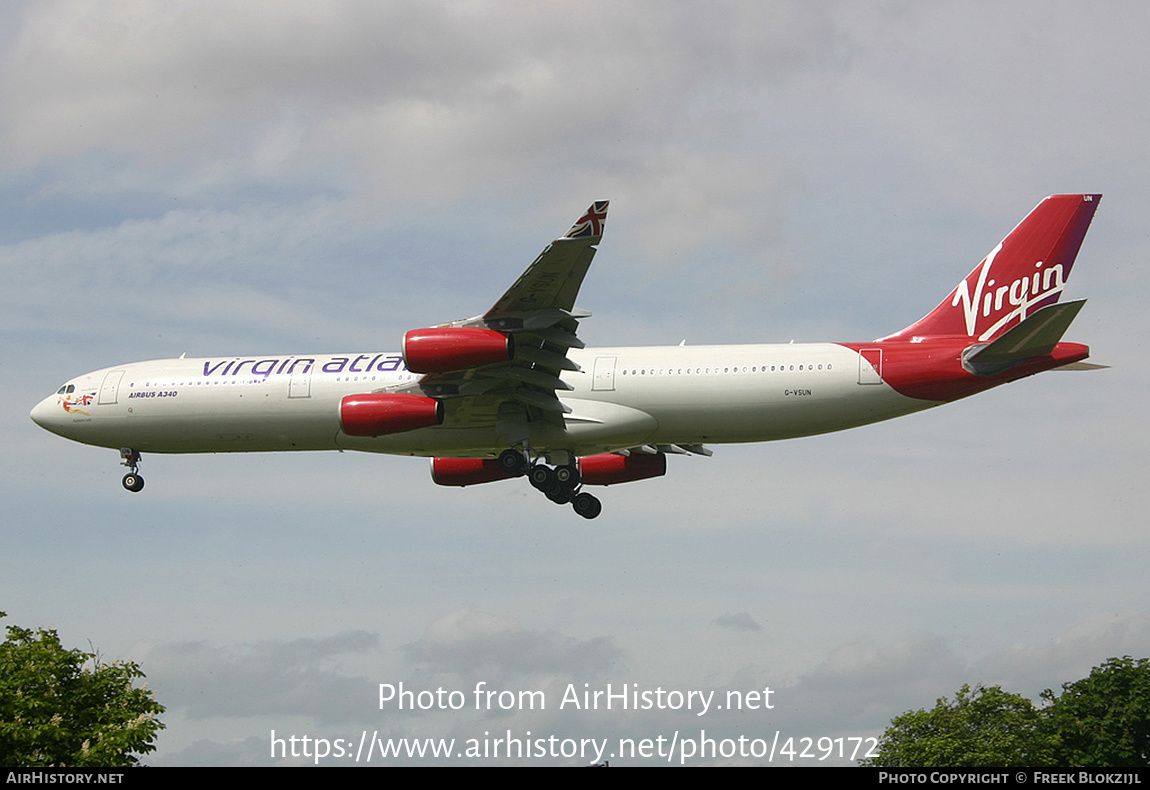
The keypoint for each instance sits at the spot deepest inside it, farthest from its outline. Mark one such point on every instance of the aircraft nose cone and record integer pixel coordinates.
(45, 414)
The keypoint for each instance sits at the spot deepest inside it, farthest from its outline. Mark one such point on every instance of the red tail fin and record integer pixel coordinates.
(1025, 272)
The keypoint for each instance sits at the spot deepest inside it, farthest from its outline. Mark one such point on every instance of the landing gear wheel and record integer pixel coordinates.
(568, 476)
(560, 497)
(543, 478)
(586, 505)
(513, 463)
(132, 481)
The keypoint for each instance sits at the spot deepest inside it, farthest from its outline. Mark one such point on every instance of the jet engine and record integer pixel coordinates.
(608, 468)
(380, 413)
(596, 470)
(466, 471)
(445, 349)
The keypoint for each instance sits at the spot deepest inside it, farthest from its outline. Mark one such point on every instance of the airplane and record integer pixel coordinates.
(515, 393)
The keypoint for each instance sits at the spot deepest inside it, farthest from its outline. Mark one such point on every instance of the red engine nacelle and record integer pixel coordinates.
(466, 471)
(380, 413)
(608, 468)
(446, 349)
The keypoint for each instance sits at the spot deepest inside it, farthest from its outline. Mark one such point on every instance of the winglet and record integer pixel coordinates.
(591, 224)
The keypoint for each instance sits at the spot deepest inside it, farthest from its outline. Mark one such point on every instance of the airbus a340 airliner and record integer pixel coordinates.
(514, 392)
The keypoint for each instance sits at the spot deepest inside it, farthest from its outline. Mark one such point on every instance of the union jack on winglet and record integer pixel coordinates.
(590, 224)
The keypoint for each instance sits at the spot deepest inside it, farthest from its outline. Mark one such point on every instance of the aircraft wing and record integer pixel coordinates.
(538, 312)
(552, 281)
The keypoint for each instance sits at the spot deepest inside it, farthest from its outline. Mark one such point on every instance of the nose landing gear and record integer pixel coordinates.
(132, 481)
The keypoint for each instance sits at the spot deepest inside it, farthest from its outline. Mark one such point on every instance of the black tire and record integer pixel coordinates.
(568, 476)
(513, 463)
(543, 478)
(586, 505)
(133, 482)
(560, 497)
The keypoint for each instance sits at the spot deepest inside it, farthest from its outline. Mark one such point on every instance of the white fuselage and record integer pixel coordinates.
(513, 393)
(622, 397)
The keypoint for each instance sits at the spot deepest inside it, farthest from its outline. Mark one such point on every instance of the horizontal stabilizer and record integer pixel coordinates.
(1083, 366)
(1036, 336)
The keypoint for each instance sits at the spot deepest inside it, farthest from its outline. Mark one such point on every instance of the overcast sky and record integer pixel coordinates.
(223, 178)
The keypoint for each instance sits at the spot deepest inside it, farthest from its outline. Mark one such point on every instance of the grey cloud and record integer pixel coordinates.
(739, 621)
(299, 677)
(477, 644)
(862, 684)
(248, 751)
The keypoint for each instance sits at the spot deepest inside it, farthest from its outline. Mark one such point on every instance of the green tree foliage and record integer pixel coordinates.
(1099, 721)
(1104, 720)
(67, 708)
(981, 727)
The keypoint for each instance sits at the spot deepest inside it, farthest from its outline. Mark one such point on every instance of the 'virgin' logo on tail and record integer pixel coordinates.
(1016, 297)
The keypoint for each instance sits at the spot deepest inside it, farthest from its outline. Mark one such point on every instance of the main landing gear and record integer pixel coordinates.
(132, 481)
(560, 484)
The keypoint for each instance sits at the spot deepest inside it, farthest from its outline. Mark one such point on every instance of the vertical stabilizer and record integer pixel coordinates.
(1024, 273)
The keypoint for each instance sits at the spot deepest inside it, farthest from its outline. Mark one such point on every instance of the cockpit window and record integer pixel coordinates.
(67, 388)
